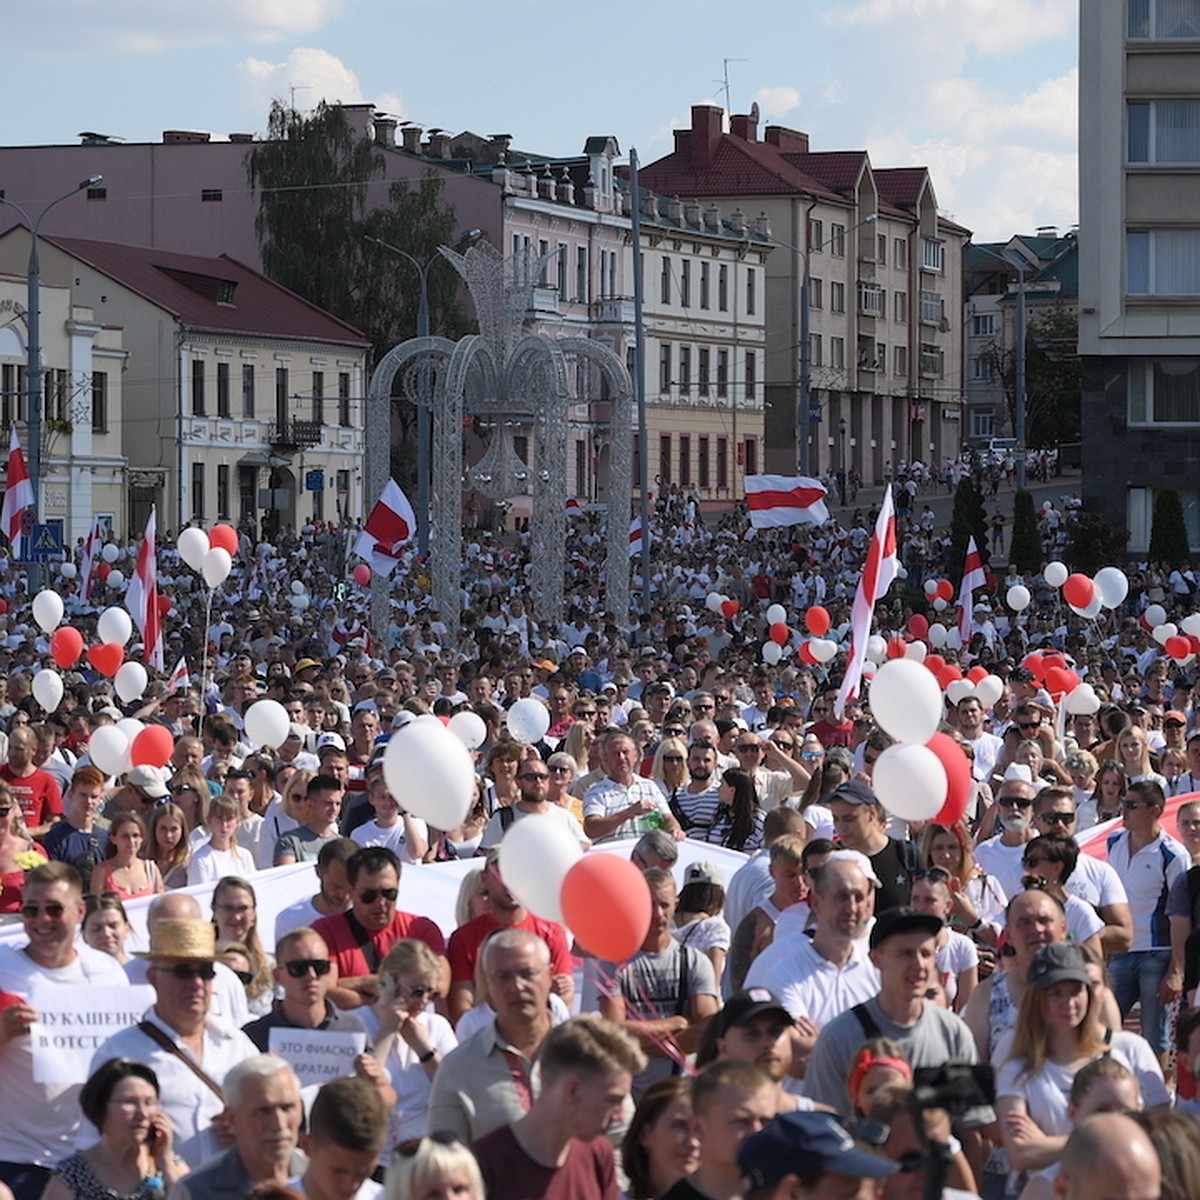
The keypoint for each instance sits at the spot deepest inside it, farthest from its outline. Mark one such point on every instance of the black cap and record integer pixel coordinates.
(806, 1144)
(1060, 962)
(853, 791)
(745, 1005)
(904, 920)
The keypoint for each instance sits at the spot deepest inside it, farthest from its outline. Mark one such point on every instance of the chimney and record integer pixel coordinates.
(674, 210)
(790, 141)
(761, 225)
(591, 194)
(385, 131)
(410, 136)
(184, 137)
(438, 145)
(241, 137)
(500, 142)
(706, 133)
(691, 213)
(712, 218)
(737, 221)
(744, 127)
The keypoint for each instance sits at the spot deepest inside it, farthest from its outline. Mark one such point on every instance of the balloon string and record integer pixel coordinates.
(610, 986)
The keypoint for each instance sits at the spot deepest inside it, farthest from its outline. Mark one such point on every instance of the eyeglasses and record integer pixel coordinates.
(1134, 805)
(529, 775)
(930, 875)
(674, 732)
(245, 978)
(1029, 724)
(560, 770)
(788, 745)
(673, 758)
(188, 971)
(54, 910)
(298, 968)
(1014, 801)
(703, 707)
(590, 712)
(370, 895)
(409, 1148)
(419, 993)
(1057, 818)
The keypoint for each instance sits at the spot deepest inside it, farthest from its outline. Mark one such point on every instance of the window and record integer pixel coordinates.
(685, 283)
(344, 399)
(933, 254)
(198, 387)
(1164, 19)
(685, 369)
(665, 281)
(722, 372)
(751, 291)
(223, 389)
(705, 272)
(722, 288)
(10, 397)
(664, 458)
(816, 236)
(871, 299)
(99, 402)
(581, 274)
(664, 367)
(705, 355)
(932, 361)
(341, 483)
(580, 467)
(751, 375)
(1164, 131)
(932, 309)
(281, 395)
(197, 491)
(881, 255)
(1164, 392)
(248, 390)
(814, 350)
(562, 272)
(816, 291)
(318, 397)
(751, 456)
(983, 422)
(900, 307)
(211, 196)
(222, 493)
(983, 369)
(900, 361)
(900, 254)
(543, 262)
(685, 460)
(1163, 262)
(837, 352)
(983, 325)
(702, 463)
(1141, 515)
(837, 240)
(837, 297)
(722, 462)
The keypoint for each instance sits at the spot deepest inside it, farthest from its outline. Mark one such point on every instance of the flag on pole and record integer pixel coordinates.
(388, 529)
(635, 537)
(973, 577)
(879, 570)
(18, 491)
(180, 679)
(90, 549)
(142, 597)
(778, 500)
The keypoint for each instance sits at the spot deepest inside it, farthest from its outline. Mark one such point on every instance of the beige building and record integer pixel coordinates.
(83, 467)
(1139, 259)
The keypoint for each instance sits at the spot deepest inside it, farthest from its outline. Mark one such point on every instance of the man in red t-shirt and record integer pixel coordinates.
(35, 790)
(360, 938)
(825, 726)
(507, 912)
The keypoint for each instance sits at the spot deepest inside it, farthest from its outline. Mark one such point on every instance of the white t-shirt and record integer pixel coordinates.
(957, 955)
(208, 865)
(494, 830)
(1004, 862)
(393, 837)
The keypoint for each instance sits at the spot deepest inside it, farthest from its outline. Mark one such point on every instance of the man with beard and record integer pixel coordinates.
(1003, 856)
(698, 799)
(987, 746)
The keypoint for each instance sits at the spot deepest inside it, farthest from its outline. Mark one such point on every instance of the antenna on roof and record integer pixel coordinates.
(725, 80)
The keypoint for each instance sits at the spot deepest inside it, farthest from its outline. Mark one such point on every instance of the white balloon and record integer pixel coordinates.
(1112, 586)
(48, 610)
(267, 723)
(931, 586)
(906, 700)
(989, 689)
(1083, 700)
(954, 638)
(869, 669)
(1055, 574)
(822, 649)
(130, 681)
(298, 588)
(772, 652)
(909, 779)
(901, 572)
(776, 614)
(130, 727)
(1091, 612)
(216, 567)
(915, 652)
(67, 570)
(48, 689)
(431, 773)
(115, 625)
(713, 601)
(110, 552)
(876, 648)
(470, 727)
(959, 690)
(940, 605)
(1164, 631)
(115, 579)
(528, 720)
(299, 603)
(535, 855)
(1018, 598)
(109, 749)
(192, 545)
(1154, 615)
(937, 634)
(1190, 625)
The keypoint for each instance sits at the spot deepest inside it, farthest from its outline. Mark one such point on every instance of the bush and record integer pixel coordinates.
(1168, 534)
(967, 521)
(1025, 550)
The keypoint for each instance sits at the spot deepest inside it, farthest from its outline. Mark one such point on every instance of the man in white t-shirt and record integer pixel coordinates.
(1002, 856)
(987, 746)
(534, 784)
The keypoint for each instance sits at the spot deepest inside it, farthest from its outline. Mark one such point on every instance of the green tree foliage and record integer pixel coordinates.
(1025, 550)
(1094, 542)
(1168, 533)
(968, 520)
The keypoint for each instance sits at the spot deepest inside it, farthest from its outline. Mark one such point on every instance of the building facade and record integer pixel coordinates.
(1139, 259)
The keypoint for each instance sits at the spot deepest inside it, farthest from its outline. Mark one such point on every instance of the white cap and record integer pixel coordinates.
(860, 860)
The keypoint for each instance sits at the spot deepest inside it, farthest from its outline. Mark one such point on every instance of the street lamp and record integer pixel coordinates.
(843, 474)
(1019, 399)
(424, 407)
(33, 368)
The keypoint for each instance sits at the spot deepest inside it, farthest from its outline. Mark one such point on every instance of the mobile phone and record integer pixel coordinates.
(152, 1136)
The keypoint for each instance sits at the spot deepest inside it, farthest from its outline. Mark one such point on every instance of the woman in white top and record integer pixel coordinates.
(221, 855)
(1134, 753)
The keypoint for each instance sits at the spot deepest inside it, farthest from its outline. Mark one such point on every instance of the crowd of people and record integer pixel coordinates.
(814, 1003)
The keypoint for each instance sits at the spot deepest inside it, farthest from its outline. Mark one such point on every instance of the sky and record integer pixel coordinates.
(983, 94)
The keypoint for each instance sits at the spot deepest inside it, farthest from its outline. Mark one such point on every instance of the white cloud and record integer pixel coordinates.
(315, 75)
(776, 102)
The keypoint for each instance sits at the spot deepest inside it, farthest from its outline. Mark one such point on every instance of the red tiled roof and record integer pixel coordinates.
(188, 285)
(902, 186)
(839, 170)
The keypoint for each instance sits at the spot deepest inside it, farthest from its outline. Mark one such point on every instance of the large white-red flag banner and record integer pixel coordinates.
(142, 597)
(879, 570)
(388, 529)
(635, 537)
(973, 577)
(778, 500)
(18, 491)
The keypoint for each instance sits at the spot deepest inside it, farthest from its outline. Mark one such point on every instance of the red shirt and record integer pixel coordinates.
(833, 735)
(346, 952)
(589, 1172)
(37, 794)
(466, 940)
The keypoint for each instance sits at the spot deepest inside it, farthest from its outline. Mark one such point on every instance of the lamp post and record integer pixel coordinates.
(33, 368)
(424, 407)
(1019, 399)
(843, 474)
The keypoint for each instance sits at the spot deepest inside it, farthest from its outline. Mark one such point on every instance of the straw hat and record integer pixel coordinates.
(182, 937)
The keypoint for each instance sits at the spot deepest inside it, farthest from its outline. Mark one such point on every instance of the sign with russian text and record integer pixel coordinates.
(73, 1023)
(317, 1055)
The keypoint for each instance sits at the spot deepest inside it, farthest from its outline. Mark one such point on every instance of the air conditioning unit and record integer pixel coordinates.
(944, 324)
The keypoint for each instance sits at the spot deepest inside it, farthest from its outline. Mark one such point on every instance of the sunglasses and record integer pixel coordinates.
(370, 895)
(54, 910)
(534, 775)
(1029, 724)
(703, 707)
(1035, 862)
(409, 1148)
(560, 770)
(673, 732)
(298, 968)
(784, 745)
(1057, 818)
(673, 758)
(1134, 805)
(188, 971)
(931, 875)
(1014, 802)
(870, 761)
(245, 978)
(419, 993)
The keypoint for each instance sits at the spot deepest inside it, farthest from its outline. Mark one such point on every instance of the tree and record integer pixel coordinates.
(1168, 533)
(967, 521)
(1094, 542)
(1025, 550)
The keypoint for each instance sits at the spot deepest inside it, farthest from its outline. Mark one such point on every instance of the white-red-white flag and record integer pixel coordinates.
(142, 597)
(388, 529)
(973, 577)
(91, 547)
(879, 570)
(778, 500)
(573, 507)
(635, 537)
(18, 491)
(180, 679)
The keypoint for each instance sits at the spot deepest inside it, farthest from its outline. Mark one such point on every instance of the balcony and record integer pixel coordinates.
(932, 363)
(871, 299)
(294, 434)
(614, 310)
(543, 301)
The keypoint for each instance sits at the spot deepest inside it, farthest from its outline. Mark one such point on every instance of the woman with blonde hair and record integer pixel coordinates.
(669, 771)
(583, 746)
(1105, 802)
(1134, 752)
(563, 769)
(433, 1168)
(190, 791)
(283, 813)
(167, 844)
(122, 871)
(235, 918)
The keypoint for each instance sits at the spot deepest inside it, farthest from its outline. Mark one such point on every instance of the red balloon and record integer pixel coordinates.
(935, 663)
(897, 646)
(106, 657)
(606, 903)
(152, 747)
(729, 608)
(817, 620)
(960, 786)
(1178, 647)
(164, 605)
(1058, 682)
(780, 633)
(362, 574)
(1079, 590)
(3, 607)
(66, 645)
(975, 674)
(104, 570)
(805, 655)
(1037, 665)
(948, 674)
(945, 590)
(918, 626)
(224, 536)
(1194, 643)
(1053, 659)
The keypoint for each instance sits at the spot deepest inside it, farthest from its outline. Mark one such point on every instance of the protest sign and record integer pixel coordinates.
(317, 1055)
(73, 1023)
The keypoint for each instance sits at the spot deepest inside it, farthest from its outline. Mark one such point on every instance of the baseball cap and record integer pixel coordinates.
(904, 919)
(331, 739)
(544, 664)
(1058, 963)
(853, 791)
(747, 1004)
(703, 872)
(859, 859)
(1175, 715)
(304, 664)
(148, 780)
(806, 1144)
